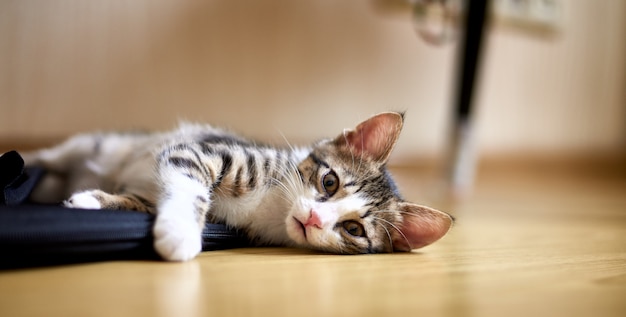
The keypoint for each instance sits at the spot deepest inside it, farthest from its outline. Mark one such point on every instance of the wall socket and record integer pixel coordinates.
(538, 16)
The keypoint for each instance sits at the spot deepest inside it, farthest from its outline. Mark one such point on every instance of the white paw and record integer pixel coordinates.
(83, 200)
(176, 239)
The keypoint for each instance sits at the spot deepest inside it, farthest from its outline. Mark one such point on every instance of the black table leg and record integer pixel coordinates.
(462, 155)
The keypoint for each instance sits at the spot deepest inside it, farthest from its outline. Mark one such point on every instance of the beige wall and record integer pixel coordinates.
(567, 93)
(304, 69)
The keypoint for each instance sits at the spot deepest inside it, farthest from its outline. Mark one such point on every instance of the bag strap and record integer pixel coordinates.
(16, 181)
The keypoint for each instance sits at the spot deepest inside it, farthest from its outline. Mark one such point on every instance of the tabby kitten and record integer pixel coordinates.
(334, 195)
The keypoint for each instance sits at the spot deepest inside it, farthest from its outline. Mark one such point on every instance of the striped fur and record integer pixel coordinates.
(334, 195)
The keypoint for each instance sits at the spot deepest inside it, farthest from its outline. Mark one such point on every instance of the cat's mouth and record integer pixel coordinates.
(302, 227)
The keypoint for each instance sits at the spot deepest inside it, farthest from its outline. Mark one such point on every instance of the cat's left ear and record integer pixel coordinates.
(374, 137)
(420, 227)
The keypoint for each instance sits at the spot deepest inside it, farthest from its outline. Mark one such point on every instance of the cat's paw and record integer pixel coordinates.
(83, 200)
(176, 239)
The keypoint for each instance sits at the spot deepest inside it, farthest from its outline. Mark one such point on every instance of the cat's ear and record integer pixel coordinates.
(420, 226)
(374, 137)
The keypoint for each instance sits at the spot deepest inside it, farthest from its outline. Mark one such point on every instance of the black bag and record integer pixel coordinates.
(35, 235)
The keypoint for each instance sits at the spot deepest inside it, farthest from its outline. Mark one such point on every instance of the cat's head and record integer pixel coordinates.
(346, 202)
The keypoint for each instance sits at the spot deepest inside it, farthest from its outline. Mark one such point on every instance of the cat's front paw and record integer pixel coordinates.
(84, 200)
(176, 239)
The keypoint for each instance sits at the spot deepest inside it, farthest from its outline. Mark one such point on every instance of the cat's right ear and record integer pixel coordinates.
(420, 227)
(374, 137)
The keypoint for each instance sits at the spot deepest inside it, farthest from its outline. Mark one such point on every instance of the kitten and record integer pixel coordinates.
(334, 195)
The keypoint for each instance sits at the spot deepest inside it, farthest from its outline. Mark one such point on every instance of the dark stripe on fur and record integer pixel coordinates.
(267, 164)
(318, 161)
(143, 201)
(353, 184)
(236, 190)
(184, 163)
(251, 170)
(359, 189)
(149, 206)
(370, 249)
(225, 139)
(206, 148)
(301, 175)
(201, 208)
(205, 171)
(321, 199)
(227, 162)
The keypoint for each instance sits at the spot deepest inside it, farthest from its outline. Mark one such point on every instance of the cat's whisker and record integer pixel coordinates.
(286, 189)
(286, 193)
(286, 197)
(411, 220)
(291, 167)
(292, 183)
(298, 184)
(401, 212)
(286, 141)
(395, 227)
(386, 231)
(392, 211)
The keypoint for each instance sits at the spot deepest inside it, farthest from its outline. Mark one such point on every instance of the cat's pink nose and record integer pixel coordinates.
(314, 220)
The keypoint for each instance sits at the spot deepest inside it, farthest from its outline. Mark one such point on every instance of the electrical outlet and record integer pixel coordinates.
(531, 15)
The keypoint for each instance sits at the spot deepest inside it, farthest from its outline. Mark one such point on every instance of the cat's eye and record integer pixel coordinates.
(330, 183)
(353, 228)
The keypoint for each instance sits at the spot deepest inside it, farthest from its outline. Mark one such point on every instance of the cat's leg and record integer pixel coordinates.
(92, 161)
(183, 204)
(65, 166)
(97, 199)
(63, 157)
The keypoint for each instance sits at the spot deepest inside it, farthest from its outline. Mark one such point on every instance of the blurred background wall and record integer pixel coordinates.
(305, 69)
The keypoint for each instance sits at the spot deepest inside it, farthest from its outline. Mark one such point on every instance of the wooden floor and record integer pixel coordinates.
(532, 240)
